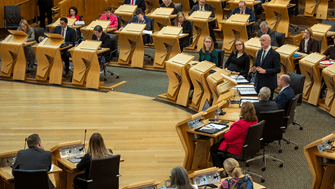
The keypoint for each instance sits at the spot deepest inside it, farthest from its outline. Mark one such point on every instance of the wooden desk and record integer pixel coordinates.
(252, 46)
(70, 23)
(250, 3)
(216, 5)
(328, 76)
(323, 173)
(200, 28)
(286, 57)
(319, 8)
(233, 29)
(13, 57)
(310, 67)
(320, 33)
(126, 12)
(151, 5)
(162, 17)
(88, 30)
(143, 185)
(186, 6)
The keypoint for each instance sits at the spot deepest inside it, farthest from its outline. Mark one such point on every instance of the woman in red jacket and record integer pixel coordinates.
(235, 135)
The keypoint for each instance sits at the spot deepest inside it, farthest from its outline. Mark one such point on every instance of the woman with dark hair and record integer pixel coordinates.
(73, 13)
(238, 61)
(99, 35)
(180, 179)
(187, 28)
(111, 17)
(96, 150)
(208, 52)
(235, 135)
(236, 178)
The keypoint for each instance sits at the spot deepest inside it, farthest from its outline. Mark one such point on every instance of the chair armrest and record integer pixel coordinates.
(85, 180)
(118, 175)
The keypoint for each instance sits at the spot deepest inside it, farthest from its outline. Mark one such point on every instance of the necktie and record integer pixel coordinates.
(62, 32)
(132, 2)
(263, 56)
(202, 8)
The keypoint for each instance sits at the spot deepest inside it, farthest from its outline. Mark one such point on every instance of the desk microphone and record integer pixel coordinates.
(25, 142)
(84, 139)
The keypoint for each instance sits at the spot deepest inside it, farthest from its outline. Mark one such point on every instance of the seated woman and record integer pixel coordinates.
(308, 44)
(236, 178)
(99, 35)
(111, 17)
(207, 52)
(187, 28)
(169, 4)
(96, 150)
(73, 13)
(28, 50)
(235, 135)
(238, 61)
(330, 52)
(180, 179)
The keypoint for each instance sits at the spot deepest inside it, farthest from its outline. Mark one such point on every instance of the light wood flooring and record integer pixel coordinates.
(137, 127)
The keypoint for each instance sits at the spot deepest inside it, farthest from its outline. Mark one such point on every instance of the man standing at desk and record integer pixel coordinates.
(243, 9)
(202, 6)
(286, 92)
(33, 158)
(267, 66)
(70, 38)
(264, 104)
(140, 3)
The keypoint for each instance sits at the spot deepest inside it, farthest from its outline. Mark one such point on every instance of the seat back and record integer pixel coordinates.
(272, 130)
(289, 115)
(191, 37)
(12, 16)
(118, 22)
(319, 42)
(220, 57)
(328, 22)
(280, 37)
(252, 142)
(114, 47)
(297, 84)
(178, 7)
(104, 173)
(38, 32)
(31, 179)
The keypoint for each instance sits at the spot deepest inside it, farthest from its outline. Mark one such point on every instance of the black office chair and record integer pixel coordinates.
(149, 39)
(297, 84)
(118, 22)
(251, 146)
(31, 179)
(289, 117)
(12, 16)
(104, 173)
(273, 131)
(330, 41)
(178, 7)
(220, 57)
(280, 37)
(319, 45)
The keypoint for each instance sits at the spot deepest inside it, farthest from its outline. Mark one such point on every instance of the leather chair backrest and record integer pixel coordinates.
(191, 38)
(12, 16)
(319, 45)
(38, 32)
(252, 143)
(118, 22)
(328, 22)
(289, 114)
(31, 179)
(220, 57)
(297, 84)
(280, 37)
(272, 130)
(178, 7)
(104, 173)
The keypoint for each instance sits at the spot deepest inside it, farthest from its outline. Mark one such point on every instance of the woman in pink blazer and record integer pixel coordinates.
(110, 16)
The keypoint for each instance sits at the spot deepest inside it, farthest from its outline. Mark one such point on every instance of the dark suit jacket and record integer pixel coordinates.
(70, 37)
(264, 106)
(146, 21)
(311, 48)
(272, 34)
(284, 98)
(33, 159)
(106, 43)
(139, 3)
(247, 11)
(271, 64)
(208, 7)
(187, 28)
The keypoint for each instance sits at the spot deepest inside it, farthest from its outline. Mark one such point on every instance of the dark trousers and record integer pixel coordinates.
(216, 158)
(183, 42)
(44, 10)
(78, 183)
(66, 58)
(211, 26)
(30, 55)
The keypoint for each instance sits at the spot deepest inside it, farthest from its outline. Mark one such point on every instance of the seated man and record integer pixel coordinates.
(243, 9)
(141, 18)
(206, 7)
(286, 92)
(33, 158)
(99, 35)
(70, 38)
(266, 30)
(140, 3)
(264, 104)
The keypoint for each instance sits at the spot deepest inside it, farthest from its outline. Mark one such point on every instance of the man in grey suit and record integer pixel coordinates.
(266, 30)
(264, 104)
(33, 158)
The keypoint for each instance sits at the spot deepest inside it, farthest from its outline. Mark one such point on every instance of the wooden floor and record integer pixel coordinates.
(137, 127)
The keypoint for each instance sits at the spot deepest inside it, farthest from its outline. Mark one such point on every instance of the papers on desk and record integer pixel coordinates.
(240, 79)
(80, 23)
(326, 62)
(212, 128)
(147, 32)
(247, 91)
(52, 167)
(248, 99)
(75, 159)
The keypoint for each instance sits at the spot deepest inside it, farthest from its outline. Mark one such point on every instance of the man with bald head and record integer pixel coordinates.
(286, 92)
(266, 66)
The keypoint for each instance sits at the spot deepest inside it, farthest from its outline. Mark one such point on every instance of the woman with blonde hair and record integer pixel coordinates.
(235, 136)
(96, 150)
(180, 179)
(308, 44)
(28, 50)
(238, 61)
(236, 179)
(207, 52)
